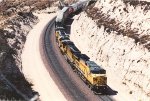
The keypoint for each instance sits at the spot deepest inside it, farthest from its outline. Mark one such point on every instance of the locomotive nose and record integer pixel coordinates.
(100, 80)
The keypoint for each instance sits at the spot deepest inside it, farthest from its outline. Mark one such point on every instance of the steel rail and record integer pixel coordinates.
(66, 83)
(60, 75)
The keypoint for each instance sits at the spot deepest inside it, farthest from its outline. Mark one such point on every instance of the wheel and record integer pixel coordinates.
(91, 87)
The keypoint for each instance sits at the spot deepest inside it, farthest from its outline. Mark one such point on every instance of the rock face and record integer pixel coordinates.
(16, 20)
(118, 53)
(17, 30)
(12, 40)
(131, 20)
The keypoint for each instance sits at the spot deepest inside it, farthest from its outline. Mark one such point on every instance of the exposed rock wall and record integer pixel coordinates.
(115, 33)
(16, 20)
(13, 36)
(119, 54)
(130, 20)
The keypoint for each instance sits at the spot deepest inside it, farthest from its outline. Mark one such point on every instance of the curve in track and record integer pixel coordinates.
(73, 88)
(61, 77)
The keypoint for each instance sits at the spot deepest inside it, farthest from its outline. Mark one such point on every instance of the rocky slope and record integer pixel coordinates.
(16, 20)
(13, 38)
(115, 34)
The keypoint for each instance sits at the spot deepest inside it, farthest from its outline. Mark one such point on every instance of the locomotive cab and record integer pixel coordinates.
(64, 45)
(61, 34)
(97, 75)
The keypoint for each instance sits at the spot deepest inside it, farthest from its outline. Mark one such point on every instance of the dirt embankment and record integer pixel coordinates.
(16, 20)
(115, 34)
(127, 18)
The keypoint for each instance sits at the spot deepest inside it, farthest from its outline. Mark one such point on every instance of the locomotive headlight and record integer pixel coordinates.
(94, 79)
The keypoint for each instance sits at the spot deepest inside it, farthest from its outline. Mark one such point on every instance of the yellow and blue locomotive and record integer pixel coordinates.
(91, 73)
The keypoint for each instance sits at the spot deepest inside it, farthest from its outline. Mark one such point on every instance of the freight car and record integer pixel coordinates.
(68, 10)
(62, 15)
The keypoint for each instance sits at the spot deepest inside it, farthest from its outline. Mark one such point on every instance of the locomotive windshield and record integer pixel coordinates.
(97, 70)
(94, 68)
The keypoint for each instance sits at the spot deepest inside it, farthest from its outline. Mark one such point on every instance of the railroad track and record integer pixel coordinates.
(105, 98)
(72, 87)
(60, 76)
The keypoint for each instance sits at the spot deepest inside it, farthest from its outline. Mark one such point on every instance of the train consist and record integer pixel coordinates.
(91, 73)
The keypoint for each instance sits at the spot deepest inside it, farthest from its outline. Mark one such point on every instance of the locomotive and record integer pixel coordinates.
(91, 73)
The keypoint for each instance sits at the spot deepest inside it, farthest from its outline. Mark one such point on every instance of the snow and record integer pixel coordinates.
(34, 68)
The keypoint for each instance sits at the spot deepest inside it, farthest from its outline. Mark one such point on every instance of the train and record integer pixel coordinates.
(68, 10)
(91, 73)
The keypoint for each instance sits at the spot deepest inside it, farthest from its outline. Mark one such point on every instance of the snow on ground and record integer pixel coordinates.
(33, 66)
(126, 63)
